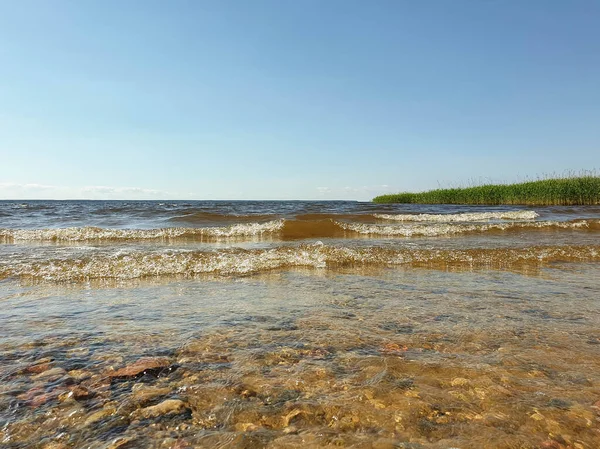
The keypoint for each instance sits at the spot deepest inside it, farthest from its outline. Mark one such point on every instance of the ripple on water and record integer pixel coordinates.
(299, 359)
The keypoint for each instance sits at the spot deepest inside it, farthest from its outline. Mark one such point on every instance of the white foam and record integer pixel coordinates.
(441, 229)
(464, 217)
(92, 233)
(139, 264)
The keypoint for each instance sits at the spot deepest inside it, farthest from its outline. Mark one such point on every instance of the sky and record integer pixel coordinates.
(293, 99)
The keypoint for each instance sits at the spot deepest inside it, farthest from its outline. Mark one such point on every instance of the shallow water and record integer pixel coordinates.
(482, 339)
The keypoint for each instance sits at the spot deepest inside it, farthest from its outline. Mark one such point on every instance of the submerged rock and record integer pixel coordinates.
(146, 365)
(77, 392)
(123, 443)
(170, 406)
(145, 394)
(99, 415)
(39, 366)
(52, 373)
(559, 403)
(79, 374)
(179, 444)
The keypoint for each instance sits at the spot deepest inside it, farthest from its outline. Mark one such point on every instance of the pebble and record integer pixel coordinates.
(141, 366)
(246, 427)
(145, 394)
(121, 443)
(99, 415)
(393, 348)
(170, 406)
(55, 445)
(39, 366)
(459, 382)
(50, 373)
(79, 393)
(551, 444)
(79, 374)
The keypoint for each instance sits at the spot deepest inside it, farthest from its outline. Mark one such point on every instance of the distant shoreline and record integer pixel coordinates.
(564, 191)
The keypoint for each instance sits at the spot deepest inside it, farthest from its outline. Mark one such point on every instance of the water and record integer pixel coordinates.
(298, 324)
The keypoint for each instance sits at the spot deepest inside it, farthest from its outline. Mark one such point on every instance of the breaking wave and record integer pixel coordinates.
(449, 229)
(98, 234)
(285, 230)
(464, 217)
(140, 264)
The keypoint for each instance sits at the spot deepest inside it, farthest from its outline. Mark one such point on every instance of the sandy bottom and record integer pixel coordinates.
(390, 359)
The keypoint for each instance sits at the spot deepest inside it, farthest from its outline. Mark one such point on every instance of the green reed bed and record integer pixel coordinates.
(570, 190)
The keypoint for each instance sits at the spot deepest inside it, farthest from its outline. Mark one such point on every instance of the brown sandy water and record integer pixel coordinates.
(482, 339)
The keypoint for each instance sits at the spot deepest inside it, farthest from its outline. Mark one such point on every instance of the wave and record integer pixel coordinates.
(103, 234)
(140, 264)
(464, 217)
(285, 230)
(450, 229)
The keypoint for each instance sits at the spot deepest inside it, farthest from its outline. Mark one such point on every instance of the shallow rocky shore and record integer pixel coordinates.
(282, 385)
(410, 359)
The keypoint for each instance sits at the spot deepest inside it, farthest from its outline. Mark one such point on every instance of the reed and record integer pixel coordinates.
(570, 189)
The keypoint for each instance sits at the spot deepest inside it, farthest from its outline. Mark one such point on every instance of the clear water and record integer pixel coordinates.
(301, 336)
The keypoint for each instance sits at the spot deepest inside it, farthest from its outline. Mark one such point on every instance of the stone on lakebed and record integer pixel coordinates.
(145, 365)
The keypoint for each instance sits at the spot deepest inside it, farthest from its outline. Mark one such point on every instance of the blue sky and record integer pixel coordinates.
(292, 99)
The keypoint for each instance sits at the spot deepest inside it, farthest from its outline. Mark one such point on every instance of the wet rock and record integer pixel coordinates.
(42, 399)
(78, 393)
(39, 366)
(123, 443)
(551, 444)
(459, 382)
(249, 440)
(559, 403)
(78, 352)
(284, 325)
(285, 356)
(246, 427)
(154, 366)
(38, 395)
(393, 349)
(50, 374)
(287, 418)
(403, 383)
(144, 394)
(100, 414)
(31, 393)
(55, 445)
(245, 391)
(70, 414)
(282, 397)
(66, 396)
(317, 353)
(385, 443)
(168, 407)
(79, 374)
(397, 328)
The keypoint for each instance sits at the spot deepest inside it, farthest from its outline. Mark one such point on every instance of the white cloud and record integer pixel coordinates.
(25, 191)
(8, 185)
(9, 190)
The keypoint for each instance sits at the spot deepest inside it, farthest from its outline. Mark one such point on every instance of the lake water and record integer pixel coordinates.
(298, 324)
